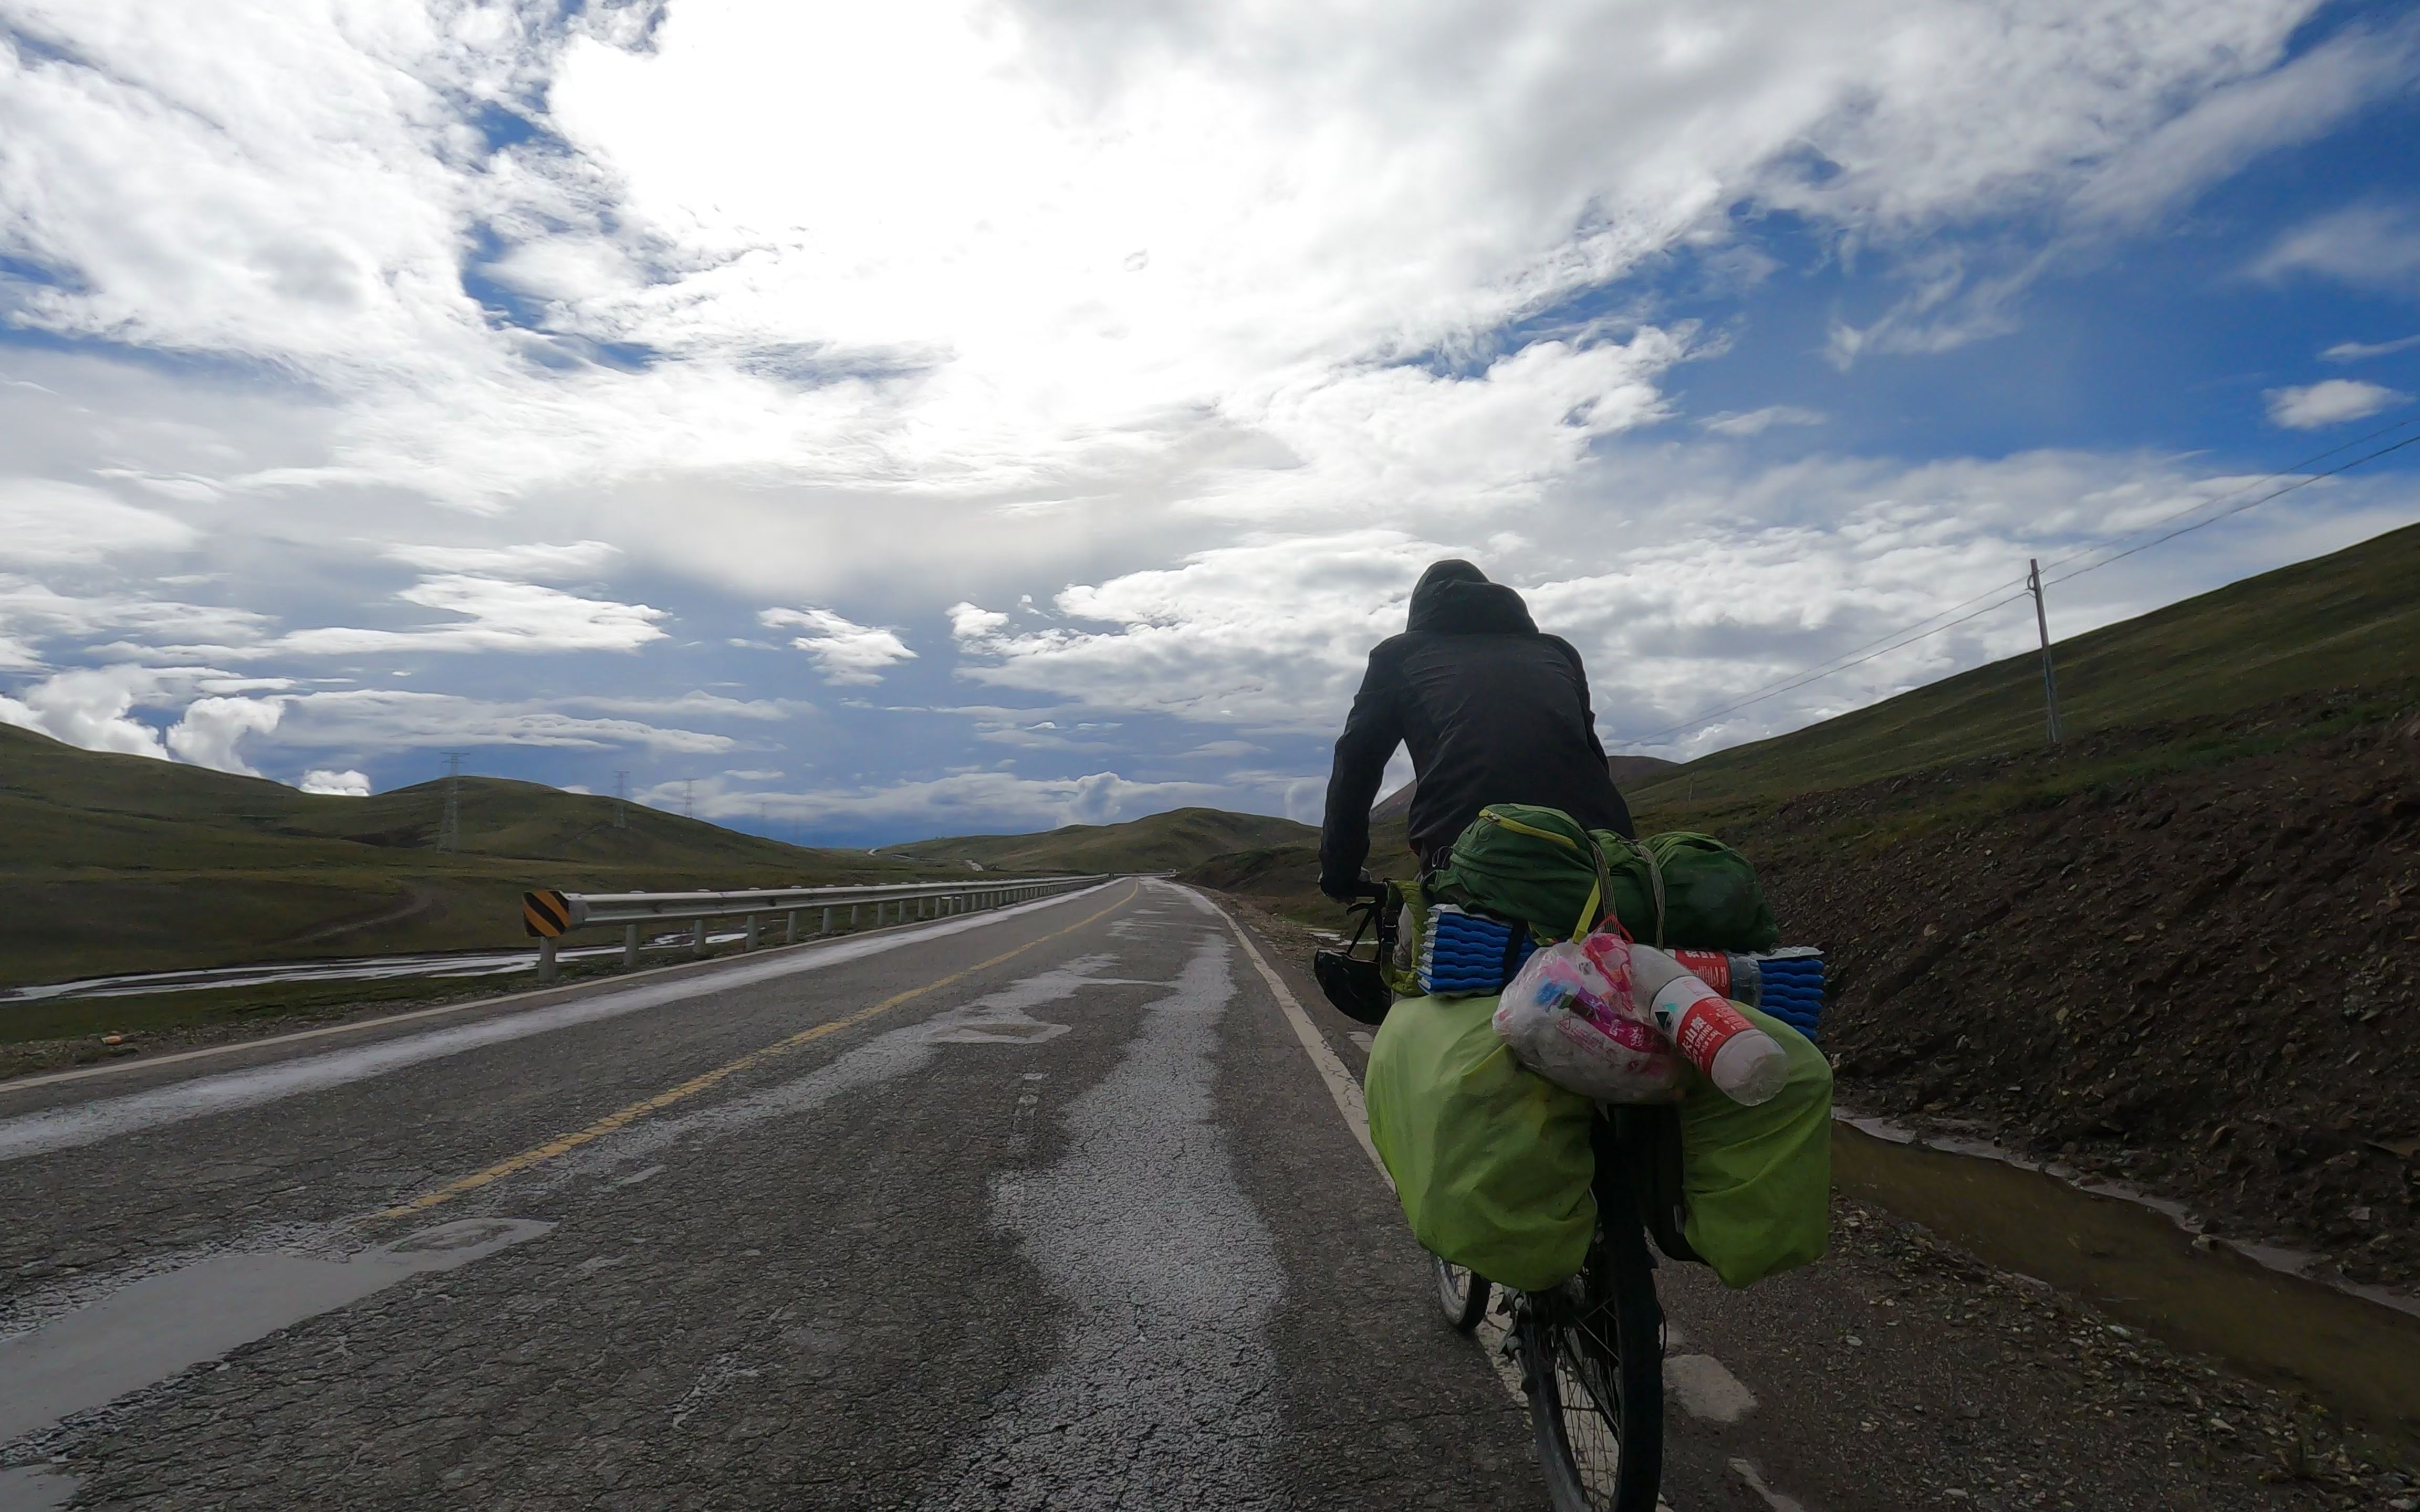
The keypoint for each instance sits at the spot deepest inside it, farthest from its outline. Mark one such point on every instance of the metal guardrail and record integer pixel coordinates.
(551, 915)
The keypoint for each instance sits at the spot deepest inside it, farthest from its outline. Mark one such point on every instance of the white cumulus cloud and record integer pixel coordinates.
(497, 615)
(2331, 402)
(211, 727)
(847, 652)
(329, 782)
(2375, 244)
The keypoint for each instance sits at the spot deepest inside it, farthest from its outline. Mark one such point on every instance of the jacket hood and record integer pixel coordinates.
(1455, 598)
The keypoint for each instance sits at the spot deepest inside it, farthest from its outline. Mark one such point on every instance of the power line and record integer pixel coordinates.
(2289, 470)
(1826, 671)
(2187, 530)
(1902, 638)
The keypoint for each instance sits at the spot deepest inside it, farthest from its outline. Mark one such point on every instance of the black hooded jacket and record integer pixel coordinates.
(1494, 711)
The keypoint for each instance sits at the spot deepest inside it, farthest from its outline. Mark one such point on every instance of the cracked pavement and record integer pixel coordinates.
(1080, 1229)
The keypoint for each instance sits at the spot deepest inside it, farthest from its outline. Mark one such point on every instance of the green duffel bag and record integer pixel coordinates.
(1684, 891)
(1757, 1181)
(1679, 890)
(1491, 1164)
(1526, 861)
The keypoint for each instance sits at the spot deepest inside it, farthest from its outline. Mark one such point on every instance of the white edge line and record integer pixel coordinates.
(1489, 1335)
(1347, 1093)
(695, 968)
(1340, 1084)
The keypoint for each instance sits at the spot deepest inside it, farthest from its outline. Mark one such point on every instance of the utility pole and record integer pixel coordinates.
(2042, 623)
(621, 800)
(689, 798)
(449, 827)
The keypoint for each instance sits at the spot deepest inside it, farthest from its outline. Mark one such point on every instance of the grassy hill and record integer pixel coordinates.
(2348, 620)
(126, 863)
(1167, 842)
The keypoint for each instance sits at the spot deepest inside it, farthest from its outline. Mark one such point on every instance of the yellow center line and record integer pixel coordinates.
(565, 1144)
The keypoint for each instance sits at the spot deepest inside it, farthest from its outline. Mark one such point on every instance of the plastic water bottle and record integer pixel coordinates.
(1743, 1062)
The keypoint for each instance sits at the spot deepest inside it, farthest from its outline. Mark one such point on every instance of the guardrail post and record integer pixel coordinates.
(791, 935)
(630, 947)
(545, 968)
(827, 923)
(852, 915)
(697, 937)
(753, 921)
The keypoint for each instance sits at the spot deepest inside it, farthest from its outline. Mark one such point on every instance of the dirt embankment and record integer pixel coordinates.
(2199, 971)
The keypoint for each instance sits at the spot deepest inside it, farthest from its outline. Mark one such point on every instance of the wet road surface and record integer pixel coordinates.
(1057, 1207)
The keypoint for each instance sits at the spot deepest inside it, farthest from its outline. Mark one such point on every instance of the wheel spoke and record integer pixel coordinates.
(1591, 1404)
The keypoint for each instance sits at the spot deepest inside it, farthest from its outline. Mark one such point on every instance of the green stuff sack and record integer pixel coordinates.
(1757, 1181)
(1710, 897)
(1491, 1164)
(1524, 861)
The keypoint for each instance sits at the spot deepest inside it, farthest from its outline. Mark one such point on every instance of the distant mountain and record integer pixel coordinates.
(1625, 770)
(1170, 841)
(127, 863)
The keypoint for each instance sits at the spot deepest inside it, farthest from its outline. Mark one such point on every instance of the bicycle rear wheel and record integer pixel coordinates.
(1460, 1293)
(1594, 1357)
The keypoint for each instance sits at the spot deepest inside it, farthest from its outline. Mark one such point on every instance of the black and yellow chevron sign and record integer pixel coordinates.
(547, 913)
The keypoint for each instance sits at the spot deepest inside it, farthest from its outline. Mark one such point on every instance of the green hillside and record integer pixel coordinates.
(2348, 620)
(126, 863)
(1167, 842)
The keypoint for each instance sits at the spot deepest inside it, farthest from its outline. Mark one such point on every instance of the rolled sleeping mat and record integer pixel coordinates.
(1463, 955)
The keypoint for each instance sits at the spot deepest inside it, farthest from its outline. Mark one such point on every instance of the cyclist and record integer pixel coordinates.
(1494, 710)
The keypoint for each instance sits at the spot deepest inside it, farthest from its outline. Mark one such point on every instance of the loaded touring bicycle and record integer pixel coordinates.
(1591, 1351)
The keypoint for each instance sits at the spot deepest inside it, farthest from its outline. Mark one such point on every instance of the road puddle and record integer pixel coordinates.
(2133, 1262)
(157, 1326)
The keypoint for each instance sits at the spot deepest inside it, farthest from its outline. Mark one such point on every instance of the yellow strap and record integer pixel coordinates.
(1519, 828)
(1596, 888)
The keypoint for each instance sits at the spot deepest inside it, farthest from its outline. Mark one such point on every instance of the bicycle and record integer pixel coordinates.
(1590, 1350)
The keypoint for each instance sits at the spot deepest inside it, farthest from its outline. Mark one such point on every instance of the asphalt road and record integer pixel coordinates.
(1062, 1206)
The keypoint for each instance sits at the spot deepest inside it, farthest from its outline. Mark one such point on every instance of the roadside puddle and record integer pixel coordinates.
(2136, 1264)
(149, 1330)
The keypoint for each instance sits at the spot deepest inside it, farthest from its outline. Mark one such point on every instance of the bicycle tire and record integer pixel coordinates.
(1461, 1294)
(1593, 1365)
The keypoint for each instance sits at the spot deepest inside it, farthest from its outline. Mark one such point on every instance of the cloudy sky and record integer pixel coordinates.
(867, 422)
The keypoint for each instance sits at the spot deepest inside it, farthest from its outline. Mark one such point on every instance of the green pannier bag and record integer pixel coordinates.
(1757, 1181)
(1491, 1164)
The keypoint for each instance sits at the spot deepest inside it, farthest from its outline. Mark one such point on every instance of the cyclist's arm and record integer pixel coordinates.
(1371, 733)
